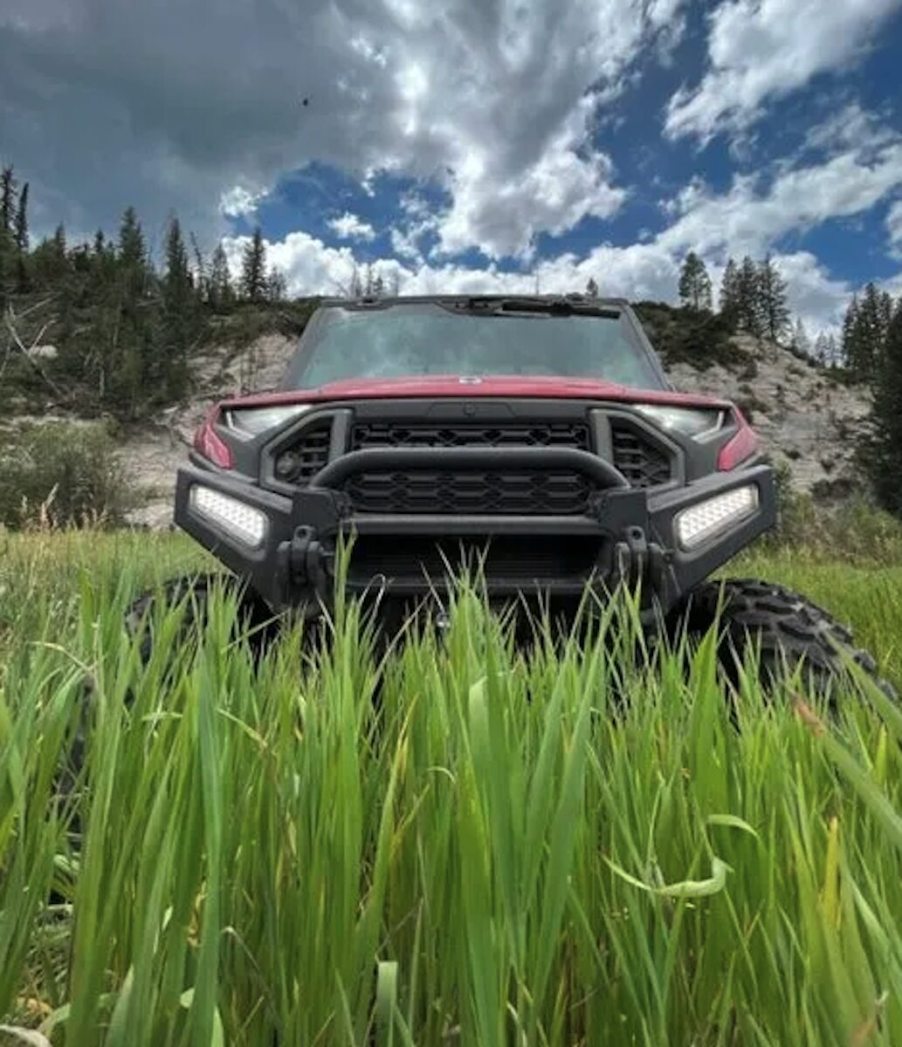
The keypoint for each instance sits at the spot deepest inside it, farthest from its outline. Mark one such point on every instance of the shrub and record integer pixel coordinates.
(61, 474)
(694, 336)
(854, 531)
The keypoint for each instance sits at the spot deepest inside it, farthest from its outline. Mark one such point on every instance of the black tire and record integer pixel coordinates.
(787, 628)
(254, 619)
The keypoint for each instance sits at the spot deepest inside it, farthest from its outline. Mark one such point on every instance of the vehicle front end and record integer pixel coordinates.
(549, 482)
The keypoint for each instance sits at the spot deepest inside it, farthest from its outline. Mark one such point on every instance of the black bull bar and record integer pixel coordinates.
(634, 528)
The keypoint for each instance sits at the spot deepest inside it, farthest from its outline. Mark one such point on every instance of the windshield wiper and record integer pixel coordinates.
(535, 306)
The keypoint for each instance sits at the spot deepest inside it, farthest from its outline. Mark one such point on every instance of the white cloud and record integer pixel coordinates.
(351, 227)
(850, 127)
(747, 219)
(172, 107)
(894, 229)
(763, 49)
(815, 296)
(552, 194)
(638, 271)
(239, 202)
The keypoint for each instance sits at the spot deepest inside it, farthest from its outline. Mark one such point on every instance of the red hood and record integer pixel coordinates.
(497, 387)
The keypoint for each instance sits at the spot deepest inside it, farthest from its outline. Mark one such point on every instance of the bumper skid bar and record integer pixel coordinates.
(634, 528)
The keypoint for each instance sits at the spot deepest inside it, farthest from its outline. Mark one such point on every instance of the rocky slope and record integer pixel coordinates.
(805, 417)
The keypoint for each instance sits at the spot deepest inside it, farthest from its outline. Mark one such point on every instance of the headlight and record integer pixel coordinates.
(243, 522)
(715, 515)
(690, 421)
(251, 421)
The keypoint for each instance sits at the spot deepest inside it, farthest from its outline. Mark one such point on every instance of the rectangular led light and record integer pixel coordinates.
(709, 518)
(242, 522)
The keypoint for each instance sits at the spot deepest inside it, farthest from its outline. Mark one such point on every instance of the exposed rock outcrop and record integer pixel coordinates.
(804, 416)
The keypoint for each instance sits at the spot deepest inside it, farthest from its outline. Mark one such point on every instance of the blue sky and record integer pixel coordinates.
(477, 144)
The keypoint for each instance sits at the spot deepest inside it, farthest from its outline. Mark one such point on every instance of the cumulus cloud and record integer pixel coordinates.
(238, 202)
(638, 271)
(759, 50)
(351, 227)
(172, 106)
(552, 193)
(749, 217)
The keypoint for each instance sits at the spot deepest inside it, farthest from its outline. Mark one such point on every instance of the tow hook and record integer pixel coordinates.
(631, 556)
(307, 559)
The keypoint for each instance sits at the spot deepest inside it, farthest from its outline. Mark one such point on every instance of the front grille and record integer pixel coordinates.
(515, 558)
(301, 459)
(642, 462)
(469, 434)
(531, 492)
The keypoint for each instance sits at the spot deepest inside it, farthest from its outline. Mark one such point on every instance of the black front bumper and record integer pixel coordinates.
(627, 533)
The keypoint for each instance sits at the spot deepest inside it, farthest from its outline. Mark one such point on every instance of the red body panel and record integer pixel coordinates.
(502, 387)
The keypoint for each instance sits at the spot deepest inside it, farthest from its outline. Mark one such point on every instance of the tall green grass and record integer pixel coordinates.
(454, 843)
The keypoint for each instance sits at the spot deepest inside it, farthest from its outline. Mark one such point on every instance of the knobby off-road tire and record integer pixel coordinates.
(254, 619)
(787, 628)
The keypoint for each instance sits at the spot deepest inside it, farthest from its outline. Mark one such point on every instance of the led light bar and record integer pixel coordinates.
(697, 524)
(242, 522)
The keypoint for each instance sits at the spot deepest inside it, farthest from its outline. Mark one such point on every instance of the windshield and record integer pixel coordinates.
(403, 341)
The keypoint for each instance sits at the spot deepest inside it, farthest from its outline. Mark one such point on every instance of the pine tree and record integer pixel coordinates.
(825, 351)
(23, 275)
(749, 316)
(867, 333)
(179, 315)
(378, 286)
(133, 263)
(6, 268)
(221, 293)
(132, 250)
(885, 459)
(276, 285)
(22, 220)
(695, 284)
(591, 288)
(849, 331)
(253, 269)
(128, 367)
(772, 305)
(57, 255)
(800, 341)
(7, 200)
(729, 293)
(831, 351)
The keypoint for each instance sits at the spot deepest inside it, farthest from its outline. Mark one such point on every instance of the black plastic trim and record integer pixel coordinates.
(631, 523)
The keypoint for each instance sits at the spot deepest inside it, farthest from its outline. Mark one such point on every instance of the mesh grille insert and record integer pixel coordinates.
(642, 462)
(522, 493)
(470, 434)
(301, 459)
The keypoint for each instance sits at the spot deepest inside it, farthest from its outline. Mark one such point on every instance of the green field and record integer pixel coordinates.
(569, 849)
